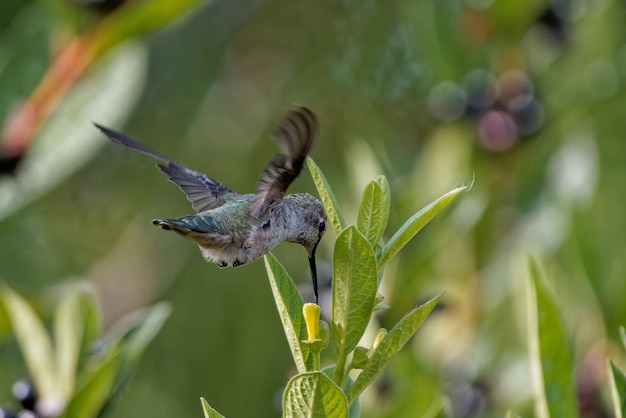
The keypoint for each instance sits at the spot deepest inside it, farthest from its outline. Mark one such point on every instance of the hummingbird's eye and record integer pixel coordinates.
(322, 226)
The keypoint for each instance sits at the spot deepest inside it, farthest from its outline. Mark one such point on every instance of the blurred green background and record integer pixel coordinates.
(527, 97)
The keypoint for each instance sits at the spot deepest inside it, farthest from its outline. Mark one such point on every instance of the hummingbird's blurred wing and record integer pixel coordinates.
(203, 192)
(295, 135)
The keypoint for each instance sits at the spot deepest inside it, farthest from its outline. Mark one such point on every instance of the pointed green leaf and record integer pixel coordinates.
(94, 390)
(208, 411)
(327, 197)
(386, 194)
(143, 327)
(289, 304)
(131, 335)
(617, 380)
(389, 346)
(313, 395)
(34, 343)
(415, 223)
(550, 353)
(373, 213)
(354, 292)
(69, 330)
(511, 414)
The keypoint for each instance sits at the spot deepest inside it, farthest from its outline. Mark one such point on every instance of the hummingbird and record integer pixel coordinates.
(234, 229)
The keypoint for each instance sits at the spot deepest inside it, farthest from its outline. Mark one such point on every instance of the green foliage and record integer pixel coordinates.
(335, 216)
(65, 373)
(354, 293)
(551, 353)
(208, 411)
(289, 304)
(313, 394)
(617, 381)
(356, 271)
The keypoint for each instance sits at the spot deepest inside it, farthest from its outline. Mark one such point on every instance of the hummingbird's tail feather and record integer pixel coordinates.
(191, 229)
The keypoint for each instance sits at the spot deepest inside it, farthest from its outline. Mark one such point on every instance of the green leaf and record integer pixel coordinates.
(511, 414)
(373, 213)
(550, 353)
(354, 292)
(94, 391)
(389, 346)
(34, 343)
(71, 326)
(386, 194)
(130, 337)
(208, 411)
(312, 395)
(144, 325)
(415, 223)
(327, 197)
(622, 334)
(617, 380)
(289, 304)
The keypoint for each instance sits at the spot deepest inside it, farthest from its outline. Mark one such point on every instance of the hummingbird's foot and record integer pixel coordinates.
(237, 263)
(222, 264)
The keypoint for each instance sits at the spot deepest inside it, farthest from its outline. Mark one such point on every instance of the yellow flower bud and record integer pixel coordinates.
(311, 312)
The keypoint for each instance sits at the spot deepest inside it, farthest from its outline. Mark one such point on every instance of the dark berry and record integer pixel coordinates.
(25, 394)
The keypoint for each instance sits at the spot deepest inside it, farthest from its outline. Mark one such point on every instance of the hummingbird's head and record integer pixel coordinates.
(311, 225)
(311, 222)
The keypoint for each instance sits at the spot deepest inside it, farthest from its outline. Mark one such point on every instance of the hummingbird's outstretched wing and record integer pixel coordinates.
(295, 135)
(203, 192)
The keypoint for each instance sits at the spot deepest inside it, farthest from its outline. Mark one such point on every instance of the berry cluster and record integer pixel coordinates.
(503, 109)
(24, 393)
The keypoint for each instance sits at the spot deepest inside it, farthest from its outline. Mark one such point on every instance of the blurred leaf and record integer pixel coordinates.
(69, 331)
(416, 222)
(327, 197)
(24, 55)
(68, 140)
(138, 18)
(94, 390)
(313, 394)
(289, 304)
(511, 414)
(622, 334)
(208, 411)
(133, 334)
(34, 343)
(354, 292)
(550, 353)
(147, 325)
(617, 381)
(393, 342)
(373, 213)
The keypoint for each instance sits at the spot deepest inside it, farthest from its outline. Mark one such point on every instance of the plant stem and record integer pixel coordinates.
(339, 369)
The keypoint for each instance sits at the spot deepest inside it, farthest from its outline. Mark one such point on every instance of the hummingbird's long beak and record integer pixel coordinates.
(313, 267)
